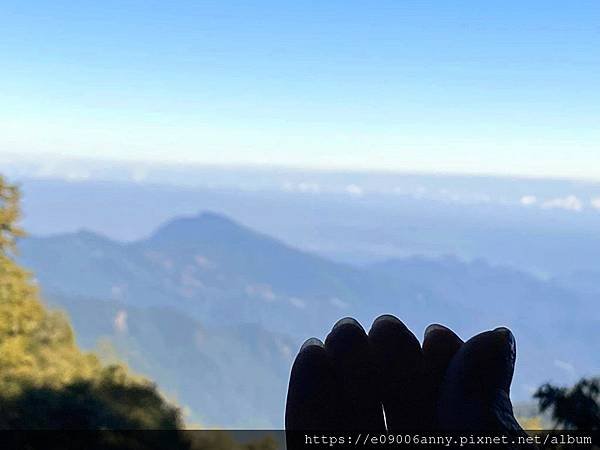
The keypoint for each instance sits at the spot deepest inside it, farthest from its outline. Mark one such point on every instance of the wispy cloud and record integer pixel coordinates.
(120, 321)
(566, 366)
(304, 187)
(298, 302)
(262, 291)
(570, 203)
(338, 303)
(354, 189)
(528, 200)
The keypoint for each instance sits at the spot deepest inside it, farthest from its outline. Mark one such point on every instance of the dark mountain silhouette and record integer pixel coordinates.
(206, 302)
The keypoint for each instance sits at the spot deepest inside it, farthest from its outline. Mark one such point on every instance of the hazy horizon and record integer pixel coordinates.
(93, 168)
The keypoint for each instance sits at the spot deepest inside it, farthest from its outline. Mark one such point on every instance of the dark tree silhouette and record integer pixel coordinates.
(576, 407)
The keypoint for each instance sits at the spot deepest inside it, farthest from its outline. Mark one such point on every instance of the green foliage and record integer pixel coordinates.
(577, 407)
(46, 381)
(9, 216)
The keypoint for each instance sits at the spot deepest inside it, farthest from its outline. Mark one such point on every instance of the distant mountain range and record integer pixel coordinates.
(545, 227)
(215, 311)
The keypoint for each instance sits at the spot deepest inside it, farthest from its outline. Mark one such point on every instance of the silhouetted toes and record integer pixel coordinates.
(400, 360)
(313, 393)
(440, 344)
(348, 346)
(474, 394)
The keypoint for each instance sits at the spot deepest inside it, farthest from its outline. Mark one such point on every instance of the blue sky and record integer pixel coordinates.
(507, 87)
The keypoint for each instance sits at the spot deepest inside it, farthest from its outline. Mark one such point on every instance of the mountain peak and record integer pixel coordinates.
(210, 216)
(205, 225)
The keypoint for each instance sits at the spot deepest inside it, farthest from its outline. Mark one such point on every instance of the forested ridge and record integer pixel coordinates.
(48, 383)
